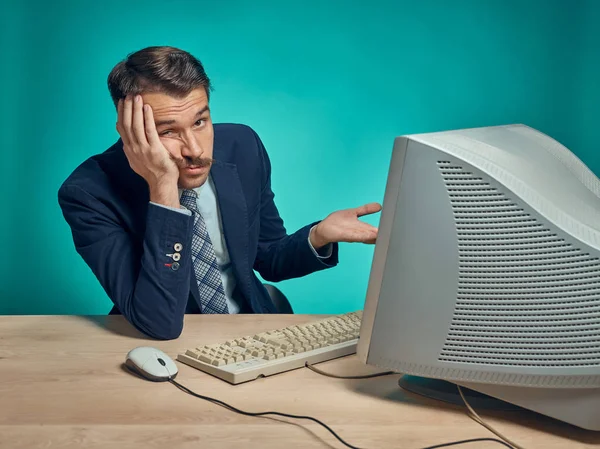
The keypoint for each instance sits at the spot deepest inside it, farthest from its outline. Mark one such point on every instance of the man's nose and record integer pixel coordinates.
(192, 148)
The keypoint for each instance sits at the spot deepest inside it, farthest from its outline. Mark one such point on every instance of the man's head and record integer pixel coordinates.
(175, 85)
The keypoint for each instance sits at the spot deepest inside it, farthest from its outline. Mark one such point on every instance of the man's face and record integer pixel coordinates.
(185, 129)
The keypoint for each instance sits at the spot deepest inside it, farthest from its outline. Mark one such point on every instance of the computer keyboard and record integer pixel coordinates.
(247, 358)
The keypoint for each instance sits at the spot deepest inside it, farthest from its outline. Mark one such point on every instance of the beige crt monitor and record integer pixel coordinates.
(486, 271)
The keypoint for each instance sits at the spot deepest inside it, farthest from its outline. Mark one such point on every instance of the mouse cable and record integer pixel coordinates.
(471, 413)
(472, 440)
(242, 412)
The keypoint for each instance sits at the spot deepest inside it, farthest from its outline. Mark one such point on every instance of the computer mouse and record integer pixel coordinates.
(151, 363)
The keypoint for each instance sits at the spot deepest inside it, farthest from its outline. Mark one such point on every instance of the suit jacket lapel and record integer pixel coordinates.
(234, 218)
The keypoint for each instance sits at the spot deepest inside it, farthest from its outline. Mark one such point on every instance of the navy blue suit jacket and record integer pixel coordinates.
(125, 240)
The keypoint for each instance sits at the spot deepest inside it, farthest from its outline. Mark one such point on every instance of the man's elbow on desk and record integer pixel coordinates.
(158, 326)
(172, 334)
(162, 333)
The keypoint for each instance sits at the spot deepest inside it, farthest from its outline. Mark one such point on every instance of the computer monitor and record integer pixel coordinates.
(486, 270)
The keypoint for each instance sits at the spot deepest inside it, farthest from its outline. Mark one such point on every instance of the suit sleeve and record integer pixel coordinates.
(281, 256)
(151, 295)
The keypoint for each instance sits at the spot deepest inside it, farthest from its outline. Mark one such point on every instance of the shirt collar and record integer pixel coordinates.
(198, 190)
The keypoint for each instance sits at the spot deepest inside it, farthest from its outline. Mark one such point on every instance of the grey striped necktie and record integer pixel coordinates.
(206, 268)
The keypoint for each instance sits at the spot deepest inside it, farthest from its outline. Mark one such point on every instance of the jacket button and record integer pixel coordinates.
(178, 247)
(176, 256)
(175, 266)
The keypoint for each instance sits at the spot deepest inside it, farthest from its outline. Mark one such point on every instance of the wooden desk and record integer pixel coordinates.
(62, 385)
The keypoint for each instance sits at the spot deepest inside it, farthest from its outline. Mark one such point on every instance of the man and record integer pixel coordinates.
(175, 216)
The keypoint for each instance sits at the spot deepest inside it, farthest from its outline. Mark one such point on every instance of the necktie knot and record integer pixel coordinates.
(188, 199)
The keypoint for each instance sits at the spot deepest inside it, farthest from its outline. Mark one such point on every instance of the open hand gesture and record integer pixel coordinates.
(344, 226)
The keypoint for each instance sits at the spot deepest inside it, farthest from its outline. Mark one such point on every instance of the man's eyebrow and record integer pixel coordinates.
(170, 122)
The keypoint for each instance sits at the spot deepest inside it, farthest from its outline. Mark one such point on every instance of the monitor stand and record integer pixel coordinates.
(442, 390)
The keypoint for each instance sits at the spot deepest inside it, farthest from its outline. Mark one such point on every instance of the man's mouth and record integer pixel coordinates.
(196, 169)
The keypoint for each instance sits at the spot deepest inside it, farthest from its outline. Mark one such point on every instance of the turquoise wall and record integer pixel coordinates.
(586, 94)
(326, 84)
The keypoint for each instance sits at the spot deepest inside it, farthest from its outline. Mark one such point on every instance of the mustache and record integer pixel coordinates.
(194, 161)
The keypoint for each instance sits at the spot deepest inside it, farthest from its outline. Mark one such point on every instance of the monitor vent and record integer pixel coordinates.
(526, 297)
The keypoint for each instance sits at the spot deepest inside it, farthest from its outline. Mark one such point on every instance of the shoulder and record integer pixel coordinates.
(102, 175)
(228, 134)
(238, 143)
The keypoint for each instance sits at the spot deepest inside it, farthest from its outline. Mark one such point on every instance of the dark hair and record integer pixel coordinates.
(163, 69)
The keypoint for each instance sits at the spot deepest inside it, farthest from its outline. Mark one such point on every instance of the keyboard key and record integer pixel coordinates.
(191, 353)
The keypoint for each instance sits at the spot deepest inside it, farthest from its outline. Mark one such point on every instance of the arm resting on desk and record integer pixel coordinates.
(150, 295)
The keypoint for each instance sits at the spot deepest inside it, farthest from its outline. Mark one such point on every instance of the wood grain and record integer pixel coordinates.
(63, 385)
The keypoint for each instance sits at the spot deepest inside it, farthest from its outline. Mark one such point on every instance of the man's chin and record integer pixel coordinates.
(188, 182)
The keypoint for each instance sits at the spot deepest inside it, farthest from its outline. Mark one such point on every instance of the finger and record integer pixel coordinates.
(120, 127)
(369, 232)
(367, 209)
(150, 127)
(139, 132)
(367, 227)
(126, 121)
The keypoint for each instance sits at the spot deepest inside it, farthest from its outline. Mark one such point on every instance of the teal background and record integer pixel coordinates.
(326, 84)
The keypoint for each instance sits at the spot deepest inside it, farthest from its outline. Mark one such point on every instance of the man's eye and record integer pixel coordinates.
(166, 133)
(199, 122)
